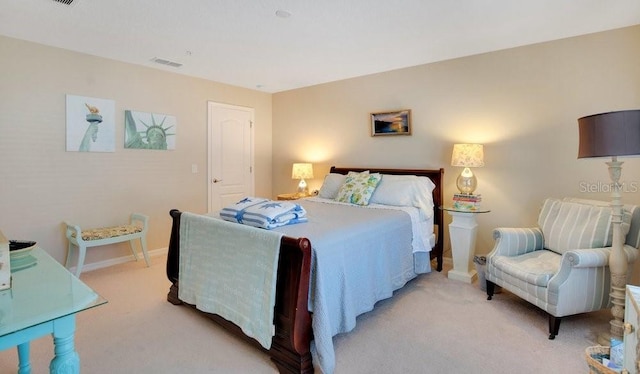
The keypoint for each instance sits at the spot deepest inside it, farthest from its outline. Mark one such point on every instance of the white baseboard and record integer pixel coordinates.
(119, 260)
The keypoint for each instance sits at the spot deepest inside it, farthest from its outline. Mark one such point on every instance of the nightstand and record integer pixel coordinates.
(289, 196)
(462, 234)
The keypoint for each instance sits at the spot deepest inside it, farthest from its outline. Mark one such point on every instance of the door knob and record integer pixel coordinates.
(215, 180)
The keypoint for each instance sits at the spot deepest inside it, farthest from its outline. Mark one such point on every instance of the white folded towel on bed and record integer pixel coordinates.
(264, 213)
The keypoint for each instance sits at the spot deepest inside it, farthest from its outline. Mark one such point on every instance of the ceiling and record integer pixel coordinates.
(244, 43)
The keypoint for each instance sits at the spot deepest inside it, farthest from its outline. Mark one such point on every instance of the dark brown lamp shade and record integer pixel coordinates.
(609, 134)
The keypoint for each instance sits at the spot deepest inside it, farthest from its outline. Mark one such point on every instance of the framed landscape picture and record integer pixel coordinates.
(391, 123)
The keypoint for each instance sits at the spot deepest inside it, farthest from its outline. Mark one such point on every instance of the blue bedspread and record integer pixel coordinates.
(360, 256)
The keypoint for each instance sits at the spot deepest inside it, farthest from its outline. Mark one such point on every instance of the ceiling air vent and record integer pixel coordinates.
(67, 2)
(166, 62)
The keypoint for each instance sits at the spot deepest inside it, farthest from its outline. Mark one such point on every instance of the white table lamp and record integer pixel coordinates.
(302, 171)
(467, 156)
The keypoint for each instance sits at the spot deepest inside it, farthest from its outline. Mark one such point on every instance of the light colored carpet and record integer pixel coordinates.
(432, 325)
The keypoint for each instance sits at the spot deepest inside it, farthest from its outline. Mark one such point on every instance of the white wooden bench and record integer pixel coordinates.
(83, 239)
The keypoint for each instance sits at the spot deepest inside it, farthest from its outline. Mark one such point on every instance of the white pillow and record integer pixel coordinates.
(405, 190)
(331, 185)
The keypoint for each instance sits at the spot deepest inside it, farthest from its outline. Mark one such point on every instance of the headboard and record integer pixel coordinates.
(438, 215)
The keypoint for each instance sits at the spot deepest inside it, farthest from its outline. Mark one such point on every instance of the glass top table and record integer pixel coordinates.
(43, 299)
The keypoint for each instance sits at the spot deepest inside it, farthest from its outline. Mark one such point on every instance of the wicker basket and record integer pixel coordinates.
(595, 366)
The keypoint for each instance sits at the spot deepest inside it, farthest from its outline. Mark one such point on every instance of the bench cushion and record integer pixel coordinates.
(108, 232)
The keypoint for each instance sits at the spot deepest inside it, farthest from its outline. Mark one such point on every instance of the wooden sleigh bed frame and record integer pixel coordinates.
(290, 347)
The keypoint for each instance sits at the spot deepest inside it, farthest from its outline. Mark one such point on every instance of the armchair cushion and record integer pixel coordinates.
(569, 225)
(630, 219)
(535, 267)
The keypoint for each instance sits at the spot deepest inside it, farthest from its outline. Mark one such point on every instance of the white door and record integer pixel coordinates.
(230, 154)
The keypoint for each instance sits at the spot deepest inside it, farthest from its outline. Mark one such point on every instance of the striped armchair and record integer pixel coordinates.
(561, 266)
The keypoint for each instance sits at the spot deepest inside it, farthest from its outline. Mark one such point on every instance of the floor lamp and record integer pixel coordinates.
(613, 134)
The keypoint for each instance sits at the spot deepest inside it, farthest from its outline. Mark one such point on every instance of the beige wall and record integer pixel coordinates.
(521, 103)
(42, 184)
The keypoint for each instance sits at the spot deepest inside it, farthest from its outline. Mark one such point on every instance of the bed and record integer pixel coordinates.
(295, 326)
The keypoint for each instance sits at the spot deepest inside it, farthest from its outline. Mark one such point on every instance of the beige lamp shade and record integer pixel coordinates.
(467, 156)
(302, 171)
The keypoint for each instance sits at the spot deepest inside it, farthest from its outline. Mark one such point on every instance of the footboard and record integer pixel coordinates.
(290, 347)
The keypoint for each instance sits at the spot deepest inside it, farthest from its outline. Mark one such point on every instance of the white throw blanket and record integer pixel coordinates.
(264, 213)
(230, 270)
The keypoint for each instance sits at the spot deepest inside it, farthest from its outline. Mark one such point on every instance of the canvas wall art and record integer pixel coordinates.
(149, 130)
(90, 124)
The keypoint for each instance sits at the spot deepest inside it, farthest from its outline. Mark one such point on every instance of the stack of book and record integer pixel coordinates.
(466, 201)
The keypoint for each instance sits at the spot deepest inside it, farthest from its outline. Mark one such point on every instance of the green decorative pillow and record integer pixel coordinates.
(358, 188)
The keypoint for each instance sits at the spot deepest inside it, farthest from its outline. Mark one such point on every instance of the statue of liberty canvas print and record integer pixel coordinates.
(90, 124)
(149, 130)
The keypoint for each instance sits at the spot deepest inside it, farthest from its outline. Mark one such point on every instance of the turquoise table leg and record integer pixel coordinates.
(24, 365)
(66, 358)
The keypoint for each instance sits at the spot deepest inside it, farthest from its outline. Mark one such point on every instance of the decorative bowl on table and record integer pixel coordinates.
(20, 248)
(20, 254)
